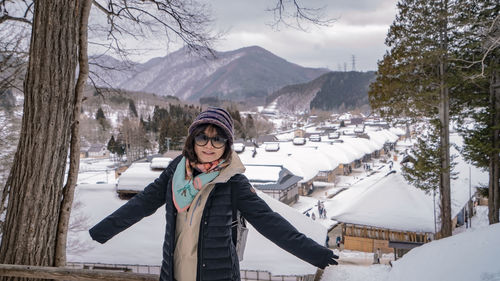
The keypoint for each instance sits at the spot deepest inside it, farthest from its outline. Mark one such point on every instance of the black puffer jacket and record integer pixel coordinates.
(215, 262)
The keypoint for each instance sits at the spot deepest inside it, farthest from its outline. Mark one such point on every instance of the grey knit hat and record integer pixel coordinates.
(216, 116)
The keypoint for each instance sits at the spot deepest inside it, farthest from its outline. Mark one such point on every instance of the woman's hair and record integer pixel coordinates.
(188, 150)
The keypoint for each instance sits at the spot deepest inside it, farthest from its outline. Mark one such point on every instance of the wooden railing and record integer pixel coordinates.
(79, 274)
(64, 273)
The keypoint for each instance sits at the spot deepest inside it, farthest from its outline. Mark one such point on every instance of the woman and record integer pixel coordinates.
(196, 189)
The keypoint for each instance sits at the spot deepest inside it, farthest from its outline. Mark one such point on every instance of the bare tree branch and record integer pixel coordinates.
(15, 15)
(5, 18)
(187, 21)
(299, 14)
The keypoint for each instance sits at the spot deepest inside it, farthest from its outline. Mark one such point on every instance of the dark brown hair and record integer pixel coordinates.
(189, 152)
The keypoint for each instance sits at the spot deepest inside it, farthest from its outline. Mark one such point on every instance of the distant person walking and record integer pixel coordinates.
(197, 190)
(376, 256)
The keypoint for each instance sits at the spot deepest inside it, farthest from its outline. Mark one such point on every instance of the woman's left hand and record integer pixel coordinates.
(332, 260)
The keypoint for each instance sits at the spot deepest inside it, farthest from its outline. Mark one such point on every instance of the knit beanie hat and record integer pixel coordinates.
(215, 116)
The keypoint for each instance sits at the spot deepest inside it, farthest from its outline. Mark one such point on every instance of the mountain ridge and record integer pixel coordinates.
(331, 91)
(246, 74)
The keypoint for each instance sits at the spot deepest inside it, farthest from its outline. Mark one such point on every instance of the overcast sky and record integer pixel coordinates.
(360, 30)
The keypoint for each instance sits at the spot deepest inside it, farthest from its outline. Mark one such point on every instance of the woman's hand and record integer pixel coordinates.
(332, 260)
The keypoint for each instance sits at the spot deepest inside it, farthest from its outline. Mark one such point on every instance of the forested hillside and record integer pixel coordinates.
(331, 91)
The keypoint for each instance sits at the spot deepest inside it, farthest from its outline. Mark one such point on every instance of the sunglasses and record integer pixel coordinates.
(217, 142)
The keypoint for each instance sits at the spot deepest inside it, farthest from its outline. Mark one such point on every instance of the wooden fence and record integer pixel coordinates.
(125, 273)
(65, 273)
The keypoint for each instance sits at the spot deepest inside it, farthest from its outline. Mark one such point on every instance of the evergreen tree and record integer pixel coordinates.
(477, 101)
(132, 109)
(144, 124)
(120, 147)
(100, 114)
(112, 144)
(250, 129)
(163, 134)
(159, 114)
(172, 125)
(101, 119)
(239, 130)
(413, 82)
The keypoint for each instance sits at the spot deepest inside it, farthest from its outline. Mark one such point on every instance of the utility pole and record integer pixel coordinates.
(469, 211)
(353, 62)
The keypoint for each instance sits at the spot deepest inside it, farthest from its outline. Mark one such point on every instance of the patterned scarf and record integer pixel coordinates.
(185, 186)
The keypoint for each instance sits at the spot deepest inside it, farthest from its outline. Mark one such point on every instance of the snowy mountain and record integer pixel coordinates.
(249, 74)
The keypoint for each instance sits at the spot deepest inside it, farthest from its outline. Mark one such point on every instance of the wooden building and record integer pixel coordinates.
(275, 181)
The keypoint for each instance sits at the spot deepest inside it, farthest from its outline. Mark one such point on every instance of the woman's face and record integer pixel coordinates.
(208, 152)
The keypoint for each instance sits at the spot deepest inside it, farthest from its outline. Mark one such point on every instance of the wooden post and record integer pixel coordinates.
(64, 273)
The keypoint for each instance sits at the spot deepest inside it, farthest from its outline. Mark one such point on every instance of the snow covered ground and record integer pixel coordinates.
(472, 254)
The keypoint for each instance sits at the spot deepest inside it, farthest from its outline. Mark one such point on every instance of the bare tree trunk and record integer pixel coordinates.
(493, 186)
(37, 175)
(444, 104)
(69, 188)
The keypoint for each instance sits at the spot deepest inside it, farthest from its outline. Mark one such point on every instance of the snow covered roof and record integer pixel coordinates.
(397, 131)
(389, 203)
(262, 173)
(160, 162)
(270, 177)
(391, 137)
(341, 155)
(307, 172)
(136, 177)
(352, 149)
(286, 181)
(299, 141)
(378, 137)
(272, 146)
(96, 147)
(238, 147)
(464, 184)
(361, 144)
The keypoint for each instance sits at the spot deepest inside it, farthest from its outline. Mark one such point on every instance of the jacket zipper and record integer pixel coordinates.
(200, 237)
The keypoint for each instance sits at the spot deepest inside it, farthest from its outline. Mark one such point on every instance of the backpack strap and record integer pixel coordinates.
(234, 221)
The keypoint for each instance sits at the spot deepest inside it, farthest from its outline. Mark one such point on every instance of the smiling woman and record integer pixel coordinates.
(199, 189)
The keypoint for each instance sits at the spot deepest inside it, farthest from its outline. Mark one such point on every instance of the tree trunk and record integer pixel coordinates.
(37, 174)
(69, 188)
(493, 186)
(444, 104)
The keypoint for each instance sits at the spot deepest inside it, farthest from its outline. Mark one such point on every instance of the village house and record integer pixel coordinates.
(136, 177)
(97, 151)
(393, 216)
(275, 181)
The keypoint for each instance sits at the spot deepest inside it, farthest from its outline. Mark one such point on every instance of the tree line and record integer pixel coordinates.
(168, 128)
(443, 66)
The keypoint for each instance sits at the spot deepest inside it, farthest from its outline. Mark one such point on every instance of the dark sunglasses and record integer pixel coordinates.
(217, 142)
